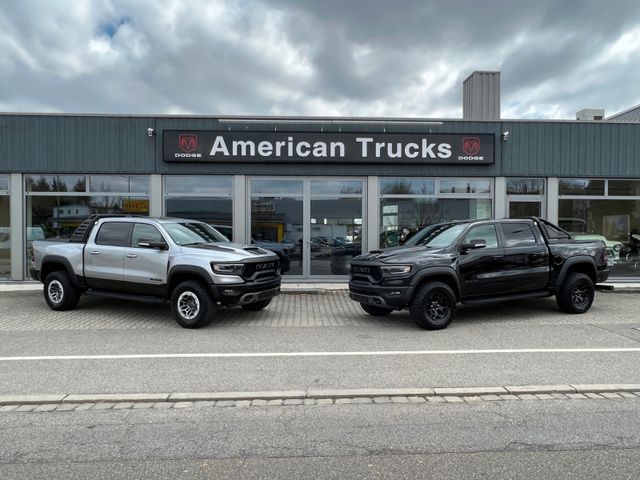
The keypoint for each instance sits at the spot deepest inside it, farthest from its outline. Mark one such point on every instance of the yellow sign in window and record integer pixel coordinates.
(136, 206)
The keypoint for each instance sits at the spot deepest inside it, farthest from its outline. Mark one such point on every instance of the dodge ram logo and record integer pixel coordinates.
(188, 142)
(471, 145)
(265, 266)
(356, 269)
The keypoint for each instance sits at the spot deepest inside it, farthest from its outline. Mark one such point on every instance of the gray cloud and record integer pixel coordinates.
(292, 57)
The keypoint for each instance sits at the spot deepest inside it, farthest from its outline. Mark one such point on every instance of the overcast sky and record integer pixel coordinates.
(317, 57)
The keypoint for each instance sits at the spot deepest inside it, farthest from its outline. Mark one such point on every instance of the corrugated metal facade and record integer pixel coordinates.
(119, 144)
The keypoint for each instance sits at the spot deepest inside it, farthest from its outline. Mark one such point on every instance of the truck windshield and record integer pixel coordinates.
(439, 236)
(193, 233)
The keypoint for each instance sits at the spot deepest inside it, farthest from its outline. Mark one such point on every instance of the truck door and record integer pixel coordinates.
(526, 258)
(104, 256)
(145, 267)
(480, 268)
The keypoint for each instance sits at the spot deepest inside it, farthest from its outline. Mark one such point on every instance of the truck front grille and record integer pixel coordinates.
(366, 273)
(261, 270)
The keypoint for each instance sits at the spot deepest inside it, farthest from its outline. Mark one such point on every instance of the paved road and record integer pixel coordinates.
(28, 328)
(319, 342)
(522, 439)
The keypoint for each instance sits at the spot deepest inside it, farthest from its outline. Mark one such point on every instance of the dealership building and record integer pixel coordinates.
(323, 189)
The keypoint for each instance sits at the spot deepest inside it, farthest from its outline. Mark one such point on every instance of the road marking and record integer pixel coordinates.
(318, 354)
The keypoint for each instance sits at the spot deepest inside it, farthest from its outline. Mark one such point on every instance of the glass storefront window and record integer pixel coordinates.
(336, 234)
(4, 184)
(525, 186)
(56, 183)
(580, 186)
(624, 188)
(207, 198)
(407, 186)
(402, 217)
(119, 183)
(202, 184)
(465, 186)
(279, 187)
(345, 187)
(616, 222)
(277, 225)
(217, 212)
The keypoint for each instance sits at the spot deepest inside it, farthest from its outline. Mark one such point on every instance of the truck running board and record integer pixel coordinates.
(125, 296)
(506, 298)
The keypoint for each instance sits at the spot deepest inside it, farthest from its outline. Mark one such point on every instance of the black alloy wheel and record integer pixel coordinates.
(576, 293)
(433, 306)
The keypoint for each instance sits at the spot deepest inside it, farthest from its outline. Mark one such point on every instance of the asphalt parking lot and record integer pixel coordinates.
(27, 310)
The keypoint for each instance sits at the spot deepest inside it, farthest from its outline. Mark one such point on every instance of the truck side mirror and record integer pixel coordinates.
(474, 244)
(149, 244)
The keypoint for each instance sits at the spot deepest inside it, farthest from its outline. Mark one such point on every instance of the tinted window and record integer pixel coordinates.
(518, 234)
(145, 233)
(483, 232)
(442, 235)
(113, 233)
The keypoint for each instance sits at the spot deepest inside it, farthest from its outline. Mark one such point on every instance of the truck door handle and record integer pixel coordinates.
(497, 257)
(94, 252)
(132, 255)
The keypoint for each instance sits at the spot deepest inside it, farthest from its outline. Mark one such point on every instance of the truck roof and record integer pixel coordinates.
(81, 234)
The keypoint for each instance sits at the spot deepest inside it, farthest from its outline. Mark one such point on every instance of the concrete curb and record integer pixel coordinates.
(315, 394)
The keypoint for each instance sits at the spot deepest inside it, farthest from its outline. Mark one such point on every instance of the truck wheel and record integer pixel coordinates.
(60, 292)
(433, 306)
(576, 293)
(376, 311)
(192, 305)
(255, 306)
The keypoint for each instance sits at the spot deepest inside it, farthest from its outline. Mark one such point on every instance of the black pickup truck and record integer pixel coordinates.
(478, 261)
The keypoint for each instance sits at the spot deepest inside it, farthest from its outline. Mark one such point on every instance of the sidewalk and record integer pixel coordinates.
(311, 287)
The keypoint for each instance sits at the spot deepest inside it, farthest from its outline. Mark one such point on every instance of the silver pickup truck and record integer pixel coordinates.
(155, 259)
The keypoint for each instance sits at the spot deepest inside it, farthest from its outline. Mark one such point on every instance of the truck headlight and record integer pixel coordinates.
(396, 269)
(227, 268)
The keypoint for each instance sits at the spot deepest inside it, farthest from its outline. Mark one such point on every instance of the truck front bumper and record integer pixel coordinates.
(395, 297)
(246, 293)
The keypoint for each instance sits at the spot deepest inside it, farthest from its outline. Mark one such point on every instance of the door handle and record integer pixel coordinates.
(132, 255)
(94, 252)
(497, 257)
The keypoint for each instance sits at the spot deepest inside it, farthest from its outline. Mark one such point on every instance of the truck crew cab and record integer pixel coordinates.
(478, 261)
(155, 259)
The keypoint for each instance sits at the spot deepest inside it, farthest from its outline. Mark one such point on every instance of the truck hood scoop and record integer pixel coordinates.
(213, 246)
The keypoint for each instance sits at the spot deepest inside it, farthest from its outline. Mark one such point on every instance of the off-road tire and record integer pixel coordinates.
(376, 311)
(576, 293)
(192, 304)
(256, 306)
(59, 291)
(433, 306)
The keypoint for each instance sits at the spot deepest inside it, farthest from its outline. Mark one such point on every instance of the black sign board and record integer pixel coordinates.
(302, 147)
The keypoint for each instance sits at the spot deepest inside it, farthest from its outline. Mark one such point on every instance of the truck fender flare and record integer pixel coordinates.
(438, 270)
(196, 271)
(579, 259)
(49, 259)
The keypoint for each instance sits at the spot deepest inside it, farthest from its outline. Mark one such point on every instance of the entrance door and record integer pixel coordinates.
(317, 222)
(525, 208)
